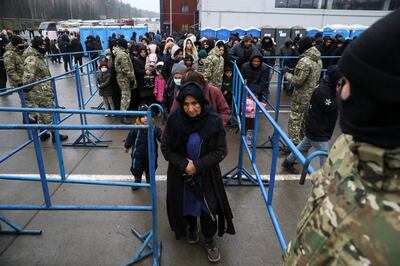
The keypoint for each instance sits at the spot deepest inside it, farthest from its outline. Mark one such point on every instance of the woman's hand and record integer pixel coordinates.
(190, 168)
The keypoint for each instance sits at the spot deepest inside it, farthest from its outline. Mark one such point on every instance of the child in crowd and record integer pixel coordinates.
(250, 117)
(106, 86)
(147, 94)
(227, 85)
(202, 59)
(159, 83)
(138, 141)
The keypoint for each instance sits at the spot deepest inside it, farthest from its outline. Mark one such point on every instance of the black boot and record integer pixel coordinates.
(45, 136)
(125, 120)
(289, 167)
(137, 180)
(62, 137)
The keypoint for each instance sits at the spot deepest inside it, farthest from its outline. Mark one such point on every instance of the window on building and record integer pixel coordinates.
(296, 3)
(185, 27)
(359, 4)
(185, 8)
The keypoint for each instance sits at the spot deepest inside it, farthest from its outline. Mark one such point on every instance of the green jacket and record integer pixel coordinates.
(214, 68)
(35, 69)
(123, 66)
(352, 214)
(14, 64)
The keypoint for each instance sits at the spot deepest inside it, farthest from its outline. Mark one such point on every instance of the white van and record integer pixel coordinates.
(48, 29)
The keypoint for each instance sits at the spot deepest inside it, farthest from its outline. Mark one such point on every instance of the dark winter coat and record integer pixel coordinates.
(256, 76)
(137, 140)
(242, 54)
(76, 46)
(170, 92)
(212, 151)
(325, 51)
(322, 112)
(139, 67)
(105, 84)
(64, 44)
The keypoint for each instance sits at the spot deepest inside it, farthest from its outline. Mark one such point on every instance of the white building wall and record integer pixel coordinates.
(258, 13)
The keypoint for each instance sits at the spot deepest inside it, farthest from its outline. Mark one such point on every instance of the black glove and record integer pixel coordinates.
(285, 69)
(20, 84)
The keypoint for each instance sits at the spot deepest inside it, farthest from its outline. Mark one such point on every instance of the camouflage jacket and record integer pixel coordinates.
(14, 64)
(352, 214)
(35, 68)
(305, 77)
(214, 68)
(124, 68)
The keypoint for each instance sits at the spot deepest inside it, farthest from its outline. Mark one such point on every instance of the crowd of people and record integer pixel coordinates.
(192, 79)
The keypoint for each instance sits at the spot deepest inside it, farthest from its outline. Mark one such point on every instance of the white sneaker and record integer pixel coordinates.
(107, 115)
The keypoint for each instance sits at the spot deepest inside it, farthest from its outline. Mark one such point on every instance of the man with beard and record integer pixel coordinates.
(243, 51)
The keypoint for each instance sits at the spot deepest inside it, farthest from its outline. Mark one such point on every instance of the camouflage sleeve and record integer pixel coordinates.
(29, 71)
(126, 67)
(10, 69)
(301, 72)
(209, 66)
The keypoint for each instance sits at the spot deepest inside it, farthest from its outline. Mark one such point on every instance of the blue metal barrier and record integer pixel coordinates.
(234, 176)
(150, 245)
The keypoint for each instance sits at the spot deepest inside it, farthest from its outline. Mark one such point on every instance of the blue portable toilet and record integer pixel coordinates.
(208, 32)
(223, 34)
(127, 32)
(328, 31)
(357, 30)
(140, 30)
(113, 29)
(312, 31)
(344, 32)
(101, 31)
(256, 33)
(240, 31)
(85, 31)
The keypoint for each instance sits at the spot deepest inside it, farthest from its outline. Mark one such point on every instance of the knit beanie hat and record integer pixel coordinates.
(202, 54)
(37, 40)
(15, 40)
(304, 44)
(178, 68)
(121, 42)
(371, 113)
(334, 73)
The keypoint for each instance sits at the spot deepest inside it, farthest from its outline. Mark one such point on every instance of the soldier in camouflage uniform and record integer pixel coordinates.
(214, 67)
(352, 214)
(125, 75)
(304, 80)
(14, 61)
(41, 95)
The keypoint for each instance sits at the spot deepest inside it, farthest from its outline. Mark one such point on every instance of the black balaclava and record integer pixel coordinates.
(304, 44)
(38, 41)
(371, 114)
(15, 40)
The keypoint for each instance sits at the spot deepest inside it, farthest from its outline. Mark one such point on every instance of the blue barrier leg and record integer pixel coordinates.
(89, 81)
(41, 168)
(58, 146)
(17, 230)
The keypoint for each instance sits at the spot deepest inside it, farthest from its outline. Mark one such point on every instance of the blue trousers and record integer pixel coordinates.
(305, 145)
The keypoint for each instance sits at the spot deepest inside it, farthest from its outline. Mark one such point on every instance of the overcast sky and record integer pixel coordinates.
(151, 5)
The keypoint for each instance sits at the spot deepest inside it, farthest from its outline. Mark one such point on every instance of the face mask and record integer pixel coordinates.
(177, 82)
(158, 72)
(41, 50)
(108, 57)
(104, 69)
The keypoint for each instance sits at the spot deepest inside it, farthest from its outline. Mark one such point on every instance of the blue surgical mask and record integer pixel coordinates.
(177, 82)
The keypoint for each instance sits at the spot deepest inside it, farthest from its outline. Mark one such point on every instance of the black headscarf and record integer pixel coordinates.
(182, 126)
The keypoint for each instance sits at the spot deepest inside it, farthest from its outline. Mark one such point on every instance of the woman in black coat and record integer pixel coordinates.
(194, 144)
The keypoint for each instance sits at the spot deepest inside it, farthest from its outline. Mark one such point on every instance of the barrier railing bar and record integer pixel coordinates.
(73, 111)
(78, 207)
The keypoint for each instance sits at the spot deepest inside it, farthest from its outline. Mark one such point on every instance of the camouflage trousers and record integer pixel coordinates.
(296, 122)
(40, 96)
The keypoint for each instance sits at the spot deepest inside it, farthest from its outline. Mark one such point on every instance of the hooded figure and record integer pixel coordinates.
(326, 49)
(194, 144)
(256, 73)
(190, 49)
(242, 52)
(267, 48)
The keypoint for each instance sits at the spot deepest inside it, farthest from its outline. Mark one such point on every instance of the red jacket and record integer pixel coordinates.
(216, 100)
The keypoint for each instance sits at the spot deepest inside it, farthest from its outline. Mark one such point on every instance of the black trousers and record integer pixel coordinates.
(67, 62)
(208, 226)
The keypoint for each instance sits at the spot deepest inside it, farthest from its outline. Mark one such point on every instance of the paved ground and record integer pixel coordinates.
(104, 238)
